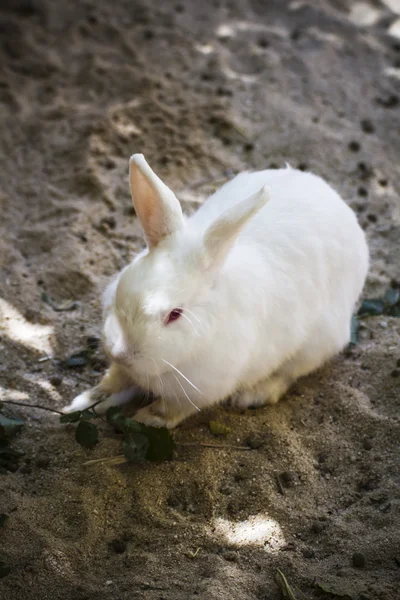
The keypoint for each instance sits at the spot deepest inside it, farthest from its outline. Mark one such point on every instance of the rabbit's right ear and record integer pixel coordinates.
(157, 207)
(221, 235)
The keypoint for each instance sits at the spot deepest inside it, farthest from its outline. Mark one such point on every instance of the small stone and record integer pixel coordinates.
(42, 461)
(367, 444)
(317, 527)
(358, 560)
(56, 380)
(118, 546)
(287, 478)
(367, 126)
(109, 582)
(230, 555)
(254, 441)
(354, 146)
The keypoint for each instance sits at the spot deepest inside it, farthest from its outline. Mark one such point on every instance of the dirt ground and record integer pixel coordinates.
(203, 89)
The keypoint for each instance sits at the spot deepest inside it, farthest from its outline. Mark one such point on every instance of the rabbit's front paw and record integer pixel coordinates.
(246, 399)
(156, 414)
(80, 402)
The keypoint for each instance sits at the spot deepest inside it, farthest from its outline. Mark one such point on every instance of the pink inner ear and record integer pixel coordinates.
(144, 199)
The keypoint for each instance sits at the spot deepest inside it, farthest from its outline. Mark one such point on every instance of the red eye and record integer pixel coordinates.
(174, 315)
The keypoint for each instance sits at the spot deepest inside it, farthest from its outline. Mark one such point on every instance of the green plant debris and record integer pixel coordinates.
(141, 442)
(219, 429)
(354, 329)
(86, 434)
(76, 416)
(65, 305)
(388, 305)
(9, 427)
(284, 586)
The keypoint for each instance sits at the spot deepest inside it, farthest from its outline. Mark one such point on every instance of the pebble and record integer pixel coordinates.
(354, 146)
(118, 546)
(367, 126)
(317, 527)
(358, 560)
(254, 441)
(367, 444)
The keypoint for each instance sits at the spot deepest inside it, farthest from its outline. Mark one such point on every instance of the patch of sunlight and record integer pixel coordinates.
(18, 329)
(363, 14)
(7, 394)
(45, 386)
(255, 531)
(392, 72)
(394, 29)
(297, 4)
(205, 48)
(394, 5)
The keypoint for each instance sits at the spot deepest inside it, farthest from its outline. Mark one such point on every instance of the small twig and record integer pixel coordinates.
(116, 460)
(279, 484)
(113, 460)
(53, 410)
(219, 446)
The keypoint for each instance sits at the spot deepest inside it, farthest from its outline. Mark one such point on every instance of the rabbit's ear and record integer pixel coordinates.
(221, 235)
(157, 207)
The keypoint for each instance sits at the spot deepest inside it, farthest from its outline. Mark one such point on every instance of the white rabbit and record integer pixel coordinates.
(254, 290)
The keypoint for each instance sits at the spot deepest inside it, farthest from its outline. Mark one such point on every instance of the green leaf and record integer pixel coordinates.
(354, 325)
(141, 442)
(9, 427)
(219, 428)
(4, 569)
(86, 434)
(135, 446)
(76, 416)
(3, 518)
(71, 417)
(161, 443)
(372, 307)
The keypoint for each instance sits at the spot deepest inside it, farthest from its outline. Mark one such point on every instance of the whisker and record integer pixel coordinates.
(184, 391)
(184, 377)
(187, 319)
(190, 312)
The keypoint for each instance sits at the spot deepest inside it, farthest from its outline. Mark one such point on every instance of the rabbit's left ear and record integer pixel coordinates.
(157, 207)
(222, 234)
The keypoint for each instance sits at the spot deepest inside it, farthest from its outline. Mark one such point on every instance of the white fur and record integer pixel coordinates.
(267, 288)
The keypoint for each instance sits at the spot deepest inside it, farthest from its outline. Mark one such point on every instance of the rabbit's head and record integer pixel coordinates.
(160, 310)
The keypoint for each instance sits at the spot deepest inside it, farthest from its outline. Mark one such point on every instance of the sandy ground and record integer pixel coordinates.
(203, 89)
